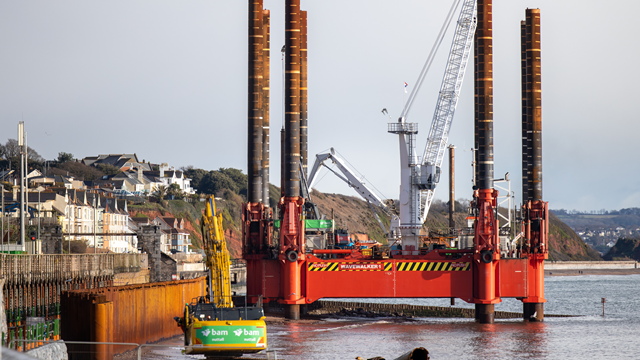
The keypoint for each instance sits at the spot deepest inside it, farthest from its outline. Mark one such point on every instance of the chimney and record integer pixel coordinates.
(140, 173)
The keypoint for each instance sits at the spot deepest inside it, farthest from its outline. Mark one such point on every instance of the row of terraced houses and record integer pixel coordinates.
(84, 208)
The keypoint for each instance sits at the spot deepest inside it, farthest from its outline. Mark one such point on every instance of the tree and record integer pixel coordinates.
(238, 178)
(160, 193)
(175, 191)
(10, 149)
(108, 169)
(216, 181)
(64, 157)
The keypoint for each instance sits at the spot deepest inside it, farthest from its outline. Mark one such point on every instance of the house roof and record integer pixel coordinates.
(111, 159)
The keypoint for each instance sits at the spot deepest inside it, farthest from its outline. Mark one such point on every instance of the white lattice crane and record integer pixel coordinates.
(419, 178)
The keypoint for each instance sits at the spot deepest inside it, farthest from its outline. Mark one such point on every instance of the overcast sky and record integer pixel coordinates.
(168, 79)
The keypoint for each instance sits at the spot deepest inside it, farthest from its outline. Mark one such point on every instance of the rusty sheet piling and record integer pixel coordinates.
(131, 314)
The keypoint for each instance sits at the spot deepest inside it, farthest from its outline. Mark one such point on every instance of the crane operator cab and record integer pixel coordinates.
(427, 176)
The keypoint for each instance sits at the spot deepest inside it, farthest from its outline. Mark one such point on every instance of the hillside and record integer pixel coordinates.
(350, 213)
(565, 244)
(192, 212)
(624, 249)
(354, 214)
(627, 218)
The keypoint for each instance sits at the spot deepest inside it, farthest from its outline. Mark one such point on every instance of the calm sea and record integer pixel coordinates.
(589, 336)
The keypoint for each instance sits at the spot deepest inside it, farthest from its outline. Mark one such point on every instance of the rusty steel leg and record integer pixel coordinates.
(485, 313)
(533, 311)
(292, 312)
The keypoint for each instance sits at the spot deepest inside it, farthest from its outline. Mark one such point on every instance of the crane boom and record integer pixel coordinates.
(448, 97)
(352, 180)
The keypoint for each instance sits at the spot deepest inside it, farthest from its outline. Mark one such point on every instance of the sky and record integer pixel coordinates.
(167, 80)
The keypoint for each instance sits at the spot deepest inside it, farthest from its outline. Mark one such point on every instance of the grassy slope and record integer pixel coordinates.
(565, 244)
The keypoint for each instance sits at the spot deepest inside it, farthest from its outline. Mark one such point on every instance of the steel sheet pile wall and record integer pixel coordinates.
(33, 284)
(138, 314)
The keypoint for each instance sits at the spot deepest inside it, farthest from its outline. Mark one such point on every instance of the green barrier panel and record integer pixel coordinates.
(311, 224)
(318, 224)
(56, 327)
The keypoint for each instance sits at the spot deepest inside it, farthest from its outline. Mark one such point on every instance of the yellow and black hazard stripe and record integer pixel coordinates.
(348, 266)
(433, 266)
(322, 266)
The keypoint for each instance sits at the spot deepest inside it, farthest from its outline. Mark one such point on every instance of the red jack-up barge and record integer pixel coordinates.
(283, 269)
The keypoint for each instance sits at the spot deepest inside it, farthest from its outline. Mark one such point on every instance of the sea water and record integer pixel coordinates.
(616, 335)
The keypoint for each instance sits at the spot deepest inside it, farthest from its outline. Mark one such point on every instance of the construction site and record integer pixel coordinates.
(102, 305)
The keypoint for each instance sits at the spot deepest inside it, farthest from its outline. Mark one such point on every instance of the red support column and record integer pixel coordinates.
(292, 255)
(487, 255)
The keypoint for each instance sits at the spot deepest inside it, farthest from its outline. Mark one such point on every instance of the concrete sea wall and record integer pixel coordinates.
(590, 265)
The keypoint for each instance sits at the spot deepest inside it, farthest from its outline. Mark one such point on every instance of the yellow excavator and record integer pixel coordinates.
(212, 324)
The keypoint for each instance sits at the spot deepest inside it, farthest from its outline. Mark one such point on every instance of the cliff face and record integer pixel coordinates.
(565, 244)
(624, 249)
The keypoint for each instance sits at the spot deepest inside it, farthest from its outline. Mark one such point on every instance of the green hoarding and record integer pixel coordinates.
(311, 224)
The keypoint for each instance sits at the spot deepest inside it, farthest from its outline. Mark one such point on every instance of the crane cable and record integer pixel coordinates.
(429, 61)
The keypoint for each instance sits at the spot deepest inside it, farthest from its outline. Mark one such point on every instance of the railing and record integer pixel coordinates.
(27, 268)
(238, 262)
(271, 354)
(403, 128)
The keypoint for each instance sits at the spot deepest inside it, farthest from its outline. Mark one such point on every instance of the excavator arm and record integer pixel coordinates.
(217, 256)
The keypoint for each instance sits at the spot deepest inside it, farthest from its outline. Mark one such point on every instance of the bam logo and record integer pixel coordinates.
(213, 332)
(246, 332)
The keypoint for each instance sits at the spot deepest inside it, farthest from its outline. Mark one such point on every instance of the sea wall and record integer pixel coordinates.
(590, 265)
(53, 351)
